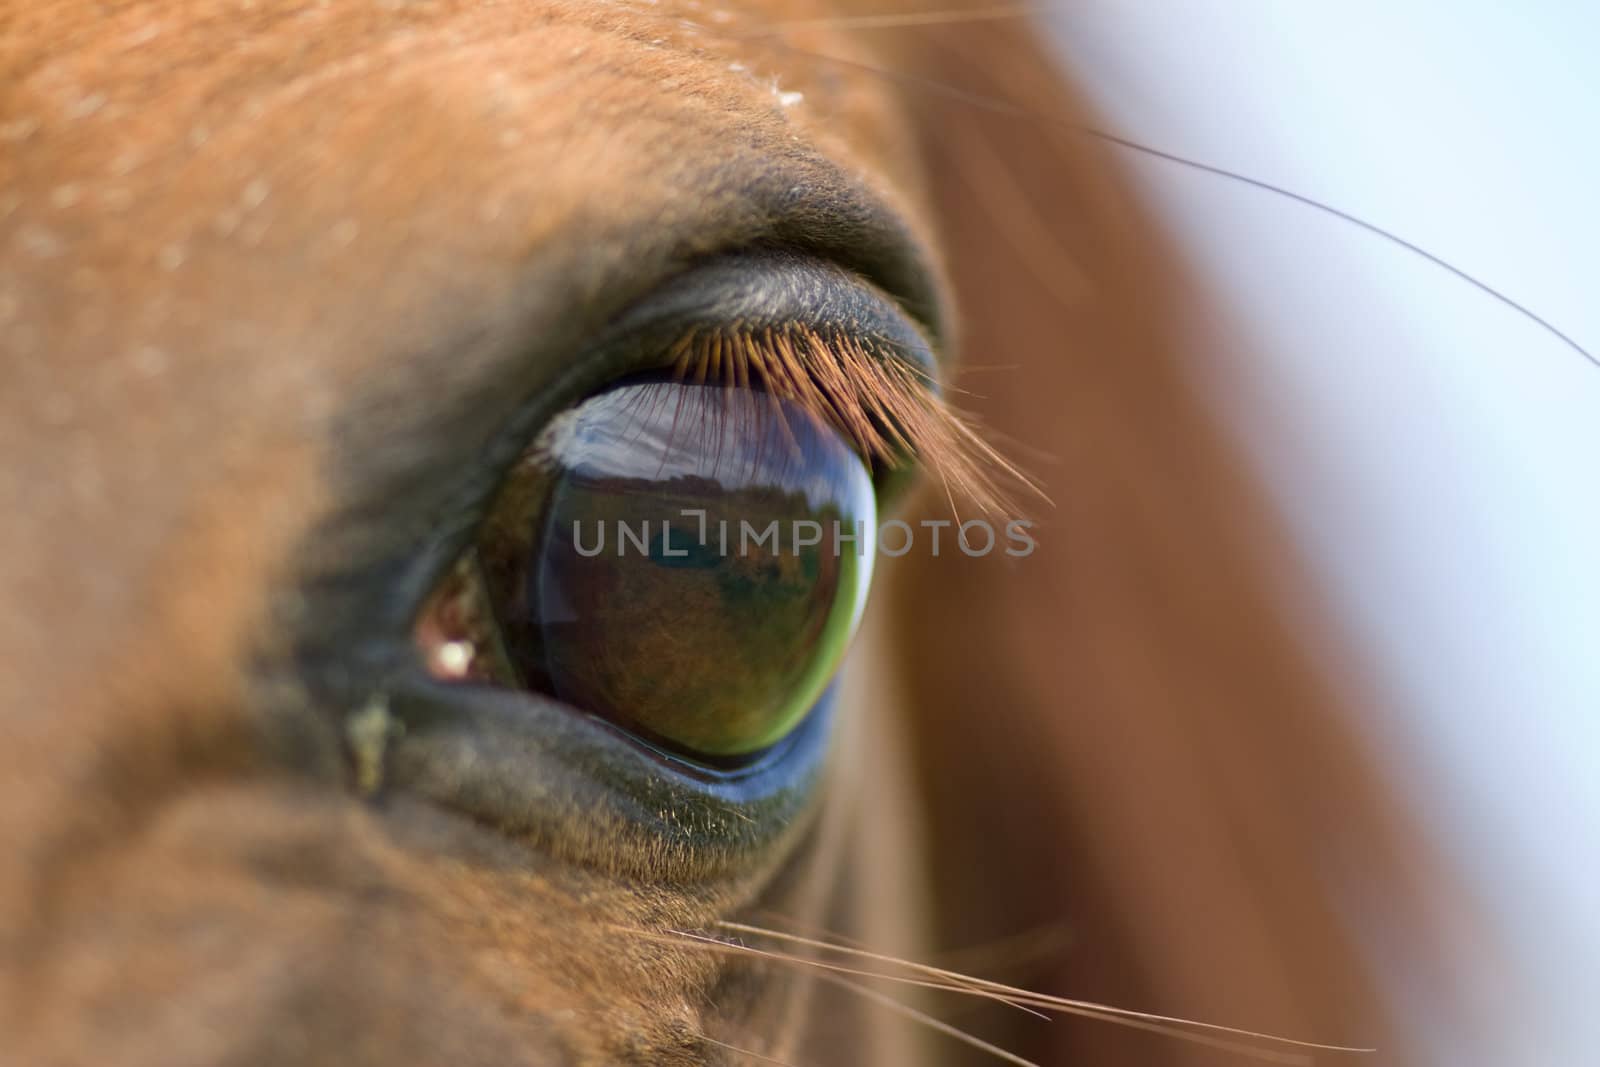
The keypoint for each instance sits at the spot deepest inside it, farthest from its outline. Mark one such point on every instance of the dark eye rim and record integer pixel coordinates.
(524, 763)
(688, 820)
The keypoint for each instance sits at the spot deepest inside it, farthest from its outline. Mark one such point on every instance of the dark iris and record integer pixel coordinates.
(688, 561)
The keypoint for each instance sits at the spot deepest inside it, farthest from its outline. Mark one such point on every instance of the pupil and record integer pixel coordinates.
(699, 564)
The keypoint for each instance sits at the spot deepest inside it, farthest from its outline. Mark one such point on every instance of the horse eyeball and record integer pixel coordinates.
(686, 560)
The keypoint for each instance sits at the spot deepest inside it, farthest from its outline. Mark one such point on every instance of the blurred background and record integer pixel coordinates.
(1431, 452)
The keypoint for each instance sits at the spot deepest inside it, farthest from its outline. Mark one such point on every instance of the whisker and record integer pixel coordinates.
(1152, 1024)
(1291, 1059)
(708, 1039)
(1022, 949)
(1355, 220)
(772, 35)
(925, 1019)
(687, 939)
(1063, 1004)
(844, 943)
(1006, 107)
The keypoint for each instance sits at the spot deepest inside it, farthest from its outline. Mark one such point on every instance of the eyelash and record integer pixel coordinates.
(887, 407)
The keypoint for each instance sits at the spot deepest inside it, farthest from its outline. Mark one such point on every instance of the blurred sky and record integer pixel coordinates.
(1434, 455)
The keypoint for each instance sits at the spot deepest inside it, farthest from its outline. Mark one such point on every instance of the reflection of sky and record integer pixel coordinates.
(736, 438)
(660, 431)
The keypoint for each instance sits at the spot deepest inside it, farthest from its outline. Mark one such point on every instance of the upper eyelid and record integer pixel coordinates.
(567, 300)
(434, 406)
(487, 421)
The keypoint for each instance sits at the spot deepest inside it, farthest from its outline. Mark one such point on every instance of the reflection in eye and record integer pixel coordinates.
(687, 555)
(686, 560)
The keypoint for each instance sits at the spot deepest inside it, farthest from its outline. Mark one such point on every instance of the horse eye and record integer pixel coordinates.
(687, 561)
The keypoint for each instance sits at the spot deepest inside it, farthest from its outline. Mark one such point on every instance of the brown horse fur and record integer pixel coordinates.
(261, 262)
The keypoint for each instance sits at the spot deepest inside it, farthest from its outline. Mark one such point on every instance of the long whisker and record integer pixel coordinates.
(708, 1039)
(1023, 947)
(1022, 951)
(687, 939)
(1292, 1059)
(1006, 107)
(1355, 220)
(1167, 1026)
(773, 36)
(925, 1019)
(1025, 996)
(833, 939)
(832, 973)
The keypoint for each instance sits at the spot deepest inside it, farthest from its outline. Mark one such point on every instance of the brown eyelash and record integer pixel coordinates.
(882, 404)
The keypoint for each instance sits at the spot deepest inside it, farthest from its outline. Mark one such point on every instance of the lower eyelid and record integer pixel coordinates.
(577, 787)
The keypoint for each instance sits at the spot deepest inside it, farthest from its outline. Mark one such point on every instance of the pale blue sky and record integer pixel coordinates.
(1434, 456)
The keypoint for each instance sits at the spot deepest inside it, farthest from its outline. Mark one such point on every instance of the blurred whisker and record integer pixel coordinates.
(1168, 1024)
(924, 1019)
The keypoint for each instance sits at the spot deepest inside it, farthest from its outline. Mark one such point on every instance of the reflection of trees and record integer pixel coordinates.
(648, 504)
(710, 635)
